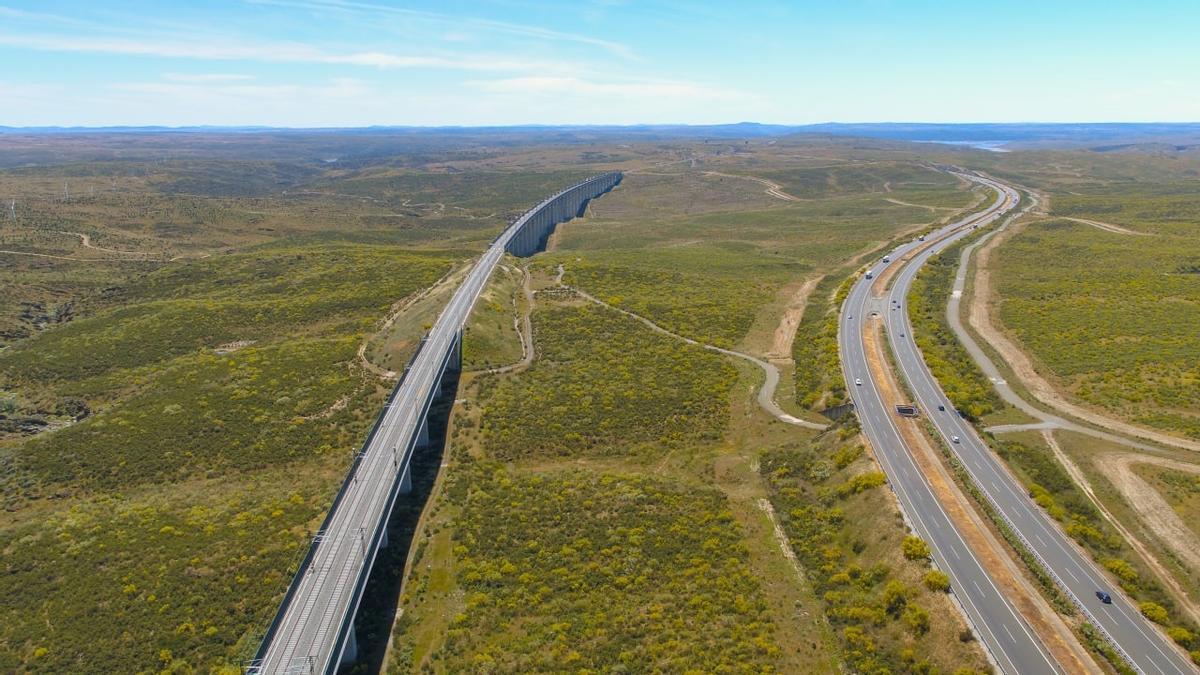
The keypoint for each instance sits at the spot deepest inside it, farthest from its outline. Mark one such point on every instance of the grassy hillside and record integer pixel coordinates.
(1113, 317)
(180, 390)
(602, 384)
(615, 505)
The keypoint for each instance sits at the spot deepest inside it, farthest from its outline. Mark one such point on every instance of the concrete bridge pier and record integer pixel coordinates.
(456, 361)
(405, 481)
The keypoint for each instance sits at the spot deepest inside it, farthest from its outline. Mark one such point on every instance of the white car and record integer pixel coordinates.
(954, 438)
(858, 381)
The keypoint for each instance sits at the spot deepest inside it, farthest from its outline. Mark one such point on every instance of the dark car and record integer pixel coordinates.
(942, 408)
(1104, 597)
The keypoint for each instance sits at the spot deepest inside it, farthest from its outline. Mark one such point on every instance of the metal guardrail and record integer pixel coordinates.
(1058, 581)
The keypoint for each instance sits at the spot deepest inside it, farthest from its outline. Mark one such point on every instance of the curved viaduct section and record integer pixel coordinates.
(314, 629)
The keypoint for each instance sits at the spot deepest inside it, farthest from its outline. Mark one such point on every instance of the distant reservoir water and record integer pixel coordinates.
(990, 146)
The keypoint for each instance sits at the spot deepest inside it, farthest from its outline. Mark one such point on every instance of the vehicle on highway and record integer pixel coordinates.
(942, 408)
(887, 259)
(870, 274)
(858, 381)
(1104, 597)
(921, 238)
(956, 439)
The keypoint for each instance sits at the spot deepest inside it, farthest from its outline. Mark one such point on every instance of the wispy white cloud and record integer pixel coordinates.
(206, 77)
(453, 22)
(291, 52)
(584, 87)
(13, 14)
(340, 88)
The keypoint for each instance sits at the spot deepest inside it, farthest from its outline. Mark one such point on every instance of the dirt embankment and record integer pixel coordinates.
(980, 317)
(988, 549)
(785, 333)
(523, 324)
(1108, 227)
(1150, 507)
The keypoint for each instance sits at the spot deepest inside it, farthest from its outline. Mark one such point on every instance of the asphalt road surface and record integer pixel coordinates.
(1012, 644)
(1010, 641)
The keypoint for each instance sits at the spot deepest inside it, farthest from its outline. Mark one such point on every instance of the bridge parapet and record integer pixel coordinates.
(529, 233)
(314, 629)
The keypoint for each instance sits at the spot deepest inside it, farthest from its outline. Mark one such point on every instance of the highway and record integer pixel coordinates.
(1011, 643)
(314, 625)
(1013, 646)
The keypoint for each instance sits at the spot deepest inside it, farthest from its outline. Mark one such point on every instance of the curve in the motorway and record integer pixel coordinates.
(1008, 639)
(1140, 643)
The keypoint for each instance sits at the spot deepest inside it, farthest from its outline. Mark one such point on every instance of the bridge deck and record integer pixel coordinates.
(315, 621)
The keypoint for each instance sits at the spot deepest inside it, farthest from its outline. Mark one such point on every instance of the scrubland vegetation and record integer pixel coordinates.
(176, 420)
(704, 291)
(1114, 318)
(174, 578)
(919, 183)
(602, 571)
(886, 605)
(1052, 489)
(819, 381)
(590, 567)
(603, 384)
(490, 339)
(964, 383)
(201, 379)
(190, 372)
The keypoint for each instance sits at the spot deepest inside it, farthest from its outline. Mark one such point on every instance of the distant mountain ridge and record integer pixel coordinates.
(903, 131)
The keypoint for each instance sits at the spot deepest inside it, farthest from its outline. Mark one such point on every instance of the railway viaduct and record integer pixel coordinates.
(313, 631)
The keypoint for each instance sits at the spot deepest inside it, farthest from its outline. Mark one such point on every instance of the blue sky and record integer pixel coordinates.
(373, 62)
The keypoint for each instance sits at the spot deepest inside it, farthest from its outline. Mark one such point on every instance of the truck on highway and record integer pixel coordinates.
(870, 274)
(887, 258)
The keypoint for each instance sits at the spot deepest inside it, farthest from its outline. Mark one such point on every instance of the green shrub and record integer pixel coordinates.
(915, 548)
(1154, 611)
(1181, 635)
(1122, 569)
(917, 619)
(895, 597)
(937, 580)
